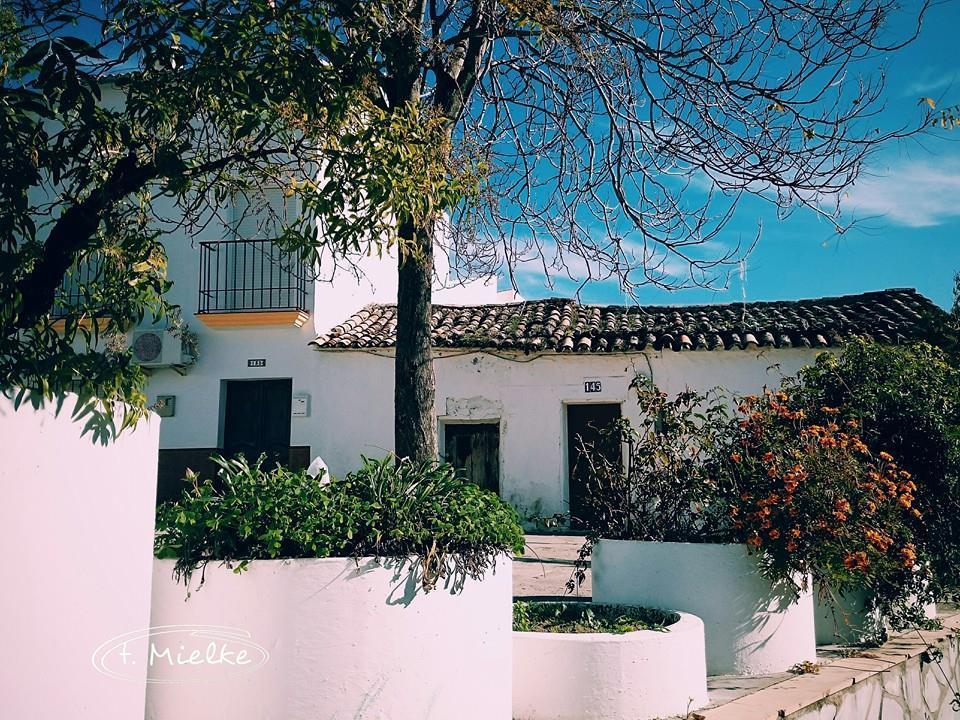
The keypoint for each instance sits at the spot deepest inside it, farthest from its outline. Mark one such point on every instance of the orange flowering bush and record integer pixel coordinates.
(812, 498)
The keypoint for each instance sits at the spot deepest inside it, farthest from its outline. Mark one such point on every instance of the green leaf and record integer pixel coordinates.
(33, 55)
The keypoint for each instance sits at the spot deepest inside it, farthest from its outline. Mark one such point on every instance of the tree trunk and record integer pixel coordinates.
(415, 428)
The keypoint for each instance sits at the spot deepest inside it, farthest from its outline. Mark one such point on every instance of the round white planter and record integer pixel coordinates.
(846, 619)
(600, 676)
(332, 638)
(751, 627)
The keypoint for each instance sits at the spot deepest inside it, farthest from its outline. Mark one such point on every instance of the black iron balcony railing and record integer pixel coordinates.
(71, 294)
(250, 276)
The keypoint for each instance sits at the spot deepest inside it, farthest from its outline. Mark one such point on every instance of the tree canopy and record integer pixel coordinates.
(602, 139)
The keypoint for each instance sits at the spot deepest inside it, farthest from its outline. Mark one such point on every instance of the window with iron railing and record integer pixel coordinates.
(250, 276)
(75, 286)
(247, 273)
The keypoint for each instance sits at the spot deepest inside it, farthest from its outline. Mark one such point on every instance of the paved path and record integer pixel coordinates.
(546, 566)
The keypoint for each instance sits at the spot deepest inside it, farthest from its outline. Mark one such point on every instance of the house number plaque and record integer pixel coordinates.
(591, 386)
(257, 362)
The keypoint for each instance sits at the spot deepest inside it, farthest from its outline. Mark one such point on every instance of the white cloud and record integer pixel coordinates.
(920, 193)
(930, 82)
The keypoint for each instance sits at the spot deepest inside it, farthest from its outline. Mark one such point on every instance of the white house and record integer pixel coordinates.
(252, 310)
(298, 362)
(517, 382)
(298, 367)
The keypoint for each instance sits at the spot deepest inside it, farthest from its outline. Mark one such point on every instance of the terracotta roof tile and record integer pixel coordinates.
(563, 325)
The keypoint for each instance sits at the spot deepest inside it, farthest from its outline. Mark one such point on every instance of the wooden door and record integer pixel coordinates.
(585, 423)
(257, 420)
(475, 449)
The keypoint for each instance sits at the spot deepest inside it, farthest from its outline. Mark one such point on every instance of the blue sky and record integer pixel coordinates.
(907, 205)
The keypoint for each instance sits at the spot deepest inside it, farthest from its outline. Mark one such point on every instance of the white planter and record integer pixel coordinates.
(751, 627)
(601, 676)
(846, 619)
(78, 517)
(344, 640)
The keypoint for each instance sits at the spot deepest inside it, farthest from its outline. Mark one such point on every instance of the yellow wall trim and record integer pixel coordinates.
(295, 318)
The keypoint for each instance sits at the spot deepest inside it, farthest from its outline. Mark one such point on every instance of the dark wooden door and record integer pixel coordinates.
(257, 420)
(475, 449)
(585, 423)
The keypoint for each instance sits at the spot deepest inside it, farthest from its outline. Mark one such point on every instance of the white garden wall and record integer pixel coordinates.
(600, 676)
(76, 521)
(341, 640)
(751, 628)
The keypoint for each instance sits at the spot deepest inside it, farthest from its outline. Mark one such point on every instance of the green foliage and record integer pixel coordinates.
(908, 401)
(667, 489)
(385, 509)
(812, 499)
(192, 104)
(800, 487)
(585, 617)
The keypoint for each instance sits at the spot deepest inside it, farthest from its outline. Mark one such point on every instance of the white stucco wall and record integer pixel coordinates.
(351, 397)
(751, 626)
(343, 638)
(76, 524)
(602, 676)
(341, 289)
(353, 410)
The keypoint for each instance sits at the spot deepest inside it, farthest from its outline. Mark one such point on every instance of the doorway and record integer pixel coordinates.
(474, 448)
(256, 420)
(585, 424)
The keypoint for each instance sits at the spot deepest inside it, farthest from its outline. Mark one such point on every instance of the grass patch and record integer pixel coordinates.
(584, 617)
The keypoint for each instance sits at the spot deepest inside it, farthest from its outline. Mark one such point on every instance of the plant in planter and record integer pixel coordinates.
(589, 661)
(585, 617)
(359, 589)
(814, 501)
(422, 511)
(907, 402)
(662, 535)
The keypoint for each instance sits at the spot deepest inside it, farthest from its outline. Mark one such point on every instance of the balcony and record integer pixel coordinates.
(247, 283)
(73, 295)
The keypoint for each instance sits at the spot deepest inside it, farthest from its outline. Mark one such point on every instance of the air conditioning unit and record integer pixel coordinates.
(156, 348)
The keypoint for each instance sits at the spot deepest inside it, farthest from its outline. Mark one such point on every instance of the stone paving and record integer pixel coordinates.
(546, 566)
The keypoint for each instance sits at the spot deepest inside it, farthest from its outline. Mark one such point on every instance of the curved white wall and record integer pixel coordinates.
(594, 676)
(344, 641)
(751, 629)
(76, 523)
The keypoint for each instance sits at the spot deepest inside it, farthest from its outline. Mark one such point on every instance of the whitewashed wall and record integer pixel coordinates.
(224, 352)
(76, 528)
(353, 411)
(352, 401)
(340, 638)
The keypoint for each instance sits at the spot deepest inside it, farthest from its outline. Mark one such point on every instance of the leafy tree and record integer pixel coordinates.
(214, 105)
(908, 399)
(573, 133)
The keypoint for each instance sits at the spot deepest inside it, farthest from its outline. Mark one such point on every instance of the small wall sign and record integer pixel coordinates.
(301, 405)
(257, 362)
(591, 386)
